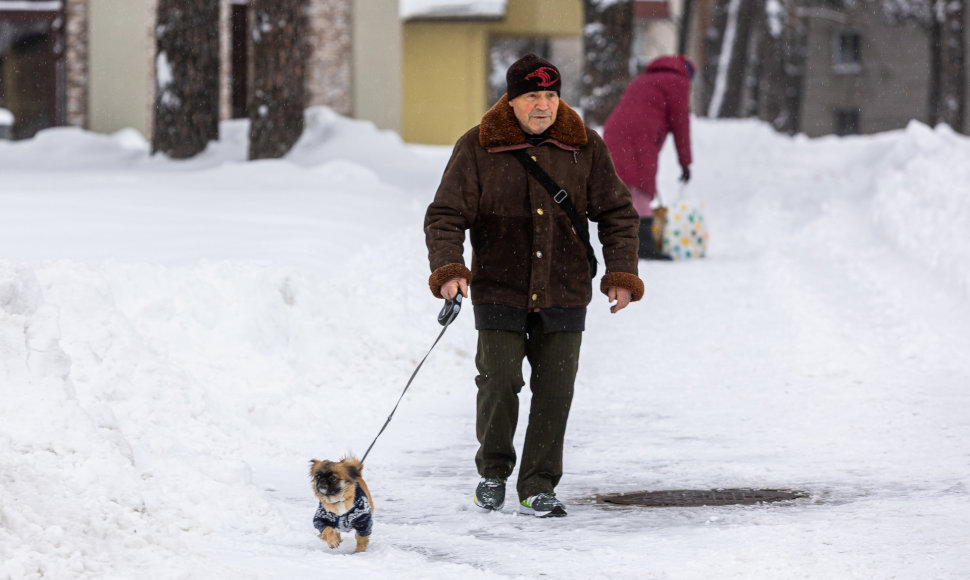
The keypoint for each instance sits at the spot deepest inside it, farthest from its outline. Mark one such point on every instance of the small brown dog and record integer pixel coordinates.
(345, 501)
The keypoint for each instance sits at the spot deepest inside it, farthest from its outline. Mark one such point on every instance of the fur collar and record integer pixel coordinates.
(500, 129)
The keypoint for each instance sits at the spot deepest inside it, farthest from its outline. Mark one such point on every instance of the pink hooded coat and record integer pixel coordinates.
(657, 102)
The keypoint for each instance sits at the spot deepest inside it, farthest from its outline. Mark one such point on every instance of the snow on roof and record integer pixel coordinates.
(413, 9)
(30, 5)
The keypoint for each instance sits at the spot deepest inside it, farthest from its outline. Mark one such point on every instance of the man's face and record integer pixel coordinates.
(536, 111)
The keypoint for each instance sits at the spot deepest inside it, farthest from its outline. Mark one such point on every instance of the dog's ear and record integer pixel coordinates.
(353, 471)
(350, 460)
(315, 465)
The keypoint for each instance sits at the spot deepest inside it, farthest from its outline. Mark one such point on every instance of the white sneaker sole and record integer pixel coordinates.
(487, 508)
(556, 512)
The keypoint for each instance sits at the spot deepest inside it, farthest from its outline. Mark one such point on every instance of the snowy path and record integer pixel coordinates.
(165, 388)
(822, 362)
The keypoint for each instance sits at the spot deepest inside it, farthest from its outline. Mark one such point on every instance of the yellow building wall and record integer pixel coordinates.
(445, 83)
(541, 18)
(444, 75)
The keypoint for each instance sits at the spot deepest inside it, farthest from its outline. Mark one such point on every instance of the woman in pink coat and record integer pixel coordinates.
(657, 102)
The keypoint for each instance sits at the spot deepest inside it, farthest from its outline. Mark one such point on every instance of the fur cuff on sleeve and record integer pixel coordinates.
(623, 280)
(447, 272)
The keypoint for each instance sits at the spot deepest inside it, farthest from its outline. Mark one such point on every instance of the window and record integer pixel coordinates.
(847, 57)
(847, 121)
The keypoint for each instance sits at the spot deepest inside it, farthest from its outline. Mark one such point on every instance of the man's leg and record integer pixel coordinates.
(499, 380)
(554, 359)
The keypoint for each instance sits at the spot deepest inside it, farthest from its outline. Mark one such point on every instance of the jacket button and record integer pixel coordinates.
(539, 211)
(535, 297)
(538, 254)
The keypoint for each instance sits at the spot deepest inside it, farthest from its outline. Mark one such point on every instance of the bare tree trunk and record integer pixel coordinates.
(953, 79)
(754, 66)
(607, 37)
(684, 27)
(186, 77)
(782, 67)
(713, 39)
(773, 78)
(727, 45)
(933, 98)
(279, 68)
(797, 57)
(943, 22)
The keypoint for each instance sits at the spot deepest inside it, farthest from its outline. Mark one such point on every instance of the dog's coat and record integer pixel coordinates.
(358, 519)
(345, 503)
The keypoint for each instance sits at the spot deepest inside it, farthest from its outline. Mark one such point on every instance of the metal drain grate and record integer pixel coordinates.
(697, 498)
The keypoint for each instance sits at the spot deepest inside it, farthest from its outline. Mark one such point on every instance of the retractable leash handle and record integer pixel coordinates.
(447, 315)
(450, 310)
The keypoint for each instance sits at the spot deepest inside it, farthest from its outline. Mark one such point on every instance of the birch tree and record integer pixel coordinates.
(279, 69)
(607, 37)
(186, 112)
(726, 51)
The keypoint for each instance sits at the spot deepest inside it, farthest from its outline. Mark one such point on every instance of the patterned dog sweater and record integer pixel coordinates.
(358, 519)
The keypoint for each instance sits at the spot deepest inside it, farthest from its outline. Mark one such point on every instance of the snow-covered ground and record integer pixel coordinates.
(179, 339)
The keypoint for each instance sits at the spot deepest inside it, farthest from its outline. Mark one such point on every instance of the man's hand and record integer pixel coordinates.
(616, 294)
(685, 173)
(452, 287)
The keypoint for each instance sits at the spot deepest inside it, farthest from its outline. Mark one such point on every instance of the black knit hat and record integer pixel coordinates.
(531, 73)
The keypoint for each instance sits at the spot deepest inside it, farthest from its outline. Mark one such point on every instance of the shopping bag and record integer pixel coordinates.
(685, 235)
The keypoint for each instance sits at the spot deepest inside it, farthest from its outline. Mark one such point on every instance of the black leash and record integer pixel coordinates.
(447, 315)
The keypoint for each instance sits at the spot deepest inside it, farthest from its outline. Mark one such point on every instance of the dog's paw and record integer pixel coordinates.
(362, 542)
(331, 537)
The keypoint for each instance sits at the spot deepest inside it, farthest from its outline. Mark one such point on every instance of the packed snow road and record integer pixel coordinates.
(180, 339)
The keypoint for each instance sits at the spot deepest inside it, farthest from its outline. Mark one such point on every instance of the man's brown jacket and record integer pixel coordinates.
(525, 253)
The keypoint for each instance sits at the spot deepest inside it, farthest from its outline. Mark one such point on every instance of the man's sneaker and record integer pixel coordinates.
(490, 494)
(543, 505)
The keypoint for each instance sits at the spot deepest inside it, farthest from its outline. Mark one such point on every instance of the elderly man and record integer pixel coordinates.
(531, 268)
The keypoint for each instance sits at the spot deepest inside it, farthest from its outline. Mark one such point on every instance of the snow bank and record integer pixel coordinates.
(103, 450)
(922, 199)
(125, 453)
(327, 136)
(909, 186)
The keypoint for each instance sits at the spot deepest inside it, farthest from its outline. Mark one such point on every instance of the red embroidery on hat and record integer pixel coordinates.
(547, 76)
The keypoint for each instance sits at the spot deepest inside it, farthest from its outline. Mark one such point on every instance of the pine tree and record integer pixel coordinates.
(607, 37)
(279, 69)
(186, 77)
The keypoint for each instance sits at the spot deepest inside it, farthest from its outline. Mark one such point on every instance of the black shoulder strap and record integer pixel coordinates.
(561, 197)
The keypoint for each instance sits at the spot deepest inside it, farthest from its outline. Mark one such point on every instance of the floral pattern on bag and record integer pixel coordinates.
(685, 234)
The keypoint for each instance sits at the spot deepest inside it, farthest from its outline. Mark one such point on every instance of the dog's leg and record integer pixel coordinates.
(331, 537)
(362, 542)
